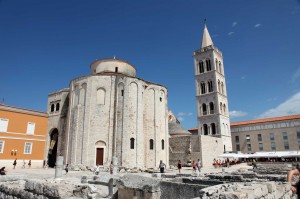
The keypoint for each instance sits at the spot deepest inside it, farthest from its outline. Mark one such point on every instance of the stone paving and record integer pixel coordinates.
(41, 183)
(75, 176)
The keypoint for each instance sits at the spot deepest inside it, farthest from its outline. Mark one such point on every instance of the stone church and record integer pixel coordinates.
(109, 113)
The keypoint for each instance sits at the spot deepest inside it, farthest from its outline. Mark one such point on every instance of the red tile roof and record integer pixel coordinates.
(274, 119)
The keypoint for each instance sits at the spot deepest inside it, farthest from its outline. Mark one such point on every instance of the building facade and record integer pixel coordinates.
(269, 134)
(23, 136)
(110, 113)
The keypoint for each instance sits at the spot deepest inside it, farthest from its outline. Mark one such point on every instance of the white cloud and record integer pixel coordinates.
(257, 25)
(230, 33)
(180, 119)
(181, 114)
(234, 24)
(296, 76)
(234, 114)
(290, 107)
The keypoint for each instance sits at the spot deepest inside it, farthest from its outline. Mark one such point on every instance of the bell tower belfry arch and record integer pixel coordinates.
(211, 94)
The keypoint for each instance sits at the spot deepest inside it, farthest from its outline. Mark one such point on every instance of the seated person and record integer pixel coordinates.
(3, 171)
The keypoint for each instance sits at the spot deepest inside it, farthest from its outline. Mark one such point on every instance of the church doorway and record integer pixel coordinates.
(99, 156)
(52, 152)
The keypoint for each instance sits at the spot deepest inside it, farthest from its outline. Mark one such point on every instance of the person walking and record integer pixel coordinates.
(179, 166)
(24, 163)
(15, 163)
(194, 165)
(254, 164)
(67, 169)
(161, 166)
(199, 165)
(29, 164)
(111, 167)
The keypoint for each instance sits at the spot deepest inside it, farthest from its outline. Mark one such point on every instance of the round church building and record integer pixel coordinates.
(110, 113)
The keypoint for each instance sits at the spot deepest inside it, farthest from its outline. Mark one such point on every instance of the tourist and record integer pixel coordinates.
(227, 162)
(179, 166)
(15, 163)
(97, 169)
(194, 165)
(295, 188)
(24, 163)
(29, 164)
(199, 165)
(111, 167)
(44, 164)
(254, 164)
(162, 166)
(67, 169)
(3, 171)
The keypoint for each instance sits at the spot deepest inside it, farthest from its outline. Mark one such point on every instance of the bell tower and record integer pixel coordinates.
(211, 93)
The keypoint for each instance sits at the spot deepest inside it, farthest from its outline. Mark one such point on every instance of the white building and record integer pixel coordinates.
(110, 113)
(211, 97)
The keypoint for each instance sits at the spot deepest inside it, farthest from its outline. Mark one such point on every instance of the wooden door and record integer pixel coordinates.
(99, 156)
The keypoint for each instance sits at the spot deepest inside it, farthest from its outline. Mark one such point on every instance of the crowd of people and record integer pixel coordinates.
(225, 162)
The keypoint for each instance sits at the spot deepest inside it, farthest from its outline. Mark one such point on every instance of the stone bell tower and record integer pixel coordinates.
(211, 93)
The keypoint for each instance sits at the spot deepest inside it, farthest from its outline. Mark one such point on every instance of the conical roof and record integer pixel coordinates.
(206, 39)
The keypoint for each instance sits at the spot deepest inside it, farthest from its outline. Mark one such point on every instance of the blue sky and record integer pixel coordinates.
(44, 44)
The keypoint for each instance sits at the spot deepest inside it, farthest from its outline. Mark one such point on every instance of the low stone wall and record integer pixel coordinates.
(270, 190)
(43, 189)
(138, 187)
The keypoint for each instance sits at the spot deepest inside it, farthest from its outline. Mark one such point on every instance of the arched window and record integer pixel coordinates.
(222, 88)
(203, 90)
(76, 95)
(162, 144)
(205, 129)
(211, 108)
(221, 107)
(100, 96)
(220, 67)
(52, 108)
(57, 107)
(210, 86)
(213, 128)
(151, 144)
(82, 94)
(208, 65)
(224, 109)
(131, 143)
(201, 67)
(204, 109)
(219, 86)
(217, 68)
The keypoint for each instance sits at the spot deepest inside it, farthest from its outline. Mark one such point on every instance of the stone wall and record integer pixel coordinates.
(195, 147)
(184, 148)
(248, 190)
(30, 189)
(107, 112)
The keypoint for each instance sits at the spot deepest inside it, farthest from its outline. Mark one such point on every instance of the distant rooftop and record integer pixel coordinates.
(273, 119)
